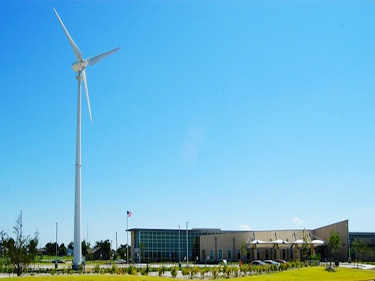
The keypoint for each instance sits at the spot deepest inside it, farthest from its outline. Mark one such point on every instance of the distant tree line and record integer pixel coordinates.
(87, 251)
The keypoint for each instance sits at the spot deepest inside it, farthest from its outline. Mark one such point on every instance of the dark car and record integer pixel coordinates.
(58, 261)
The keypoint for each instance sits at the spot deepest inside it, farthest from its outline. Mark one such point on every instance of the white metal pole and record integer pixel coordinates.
(77, 206)
(179, 247)
(127, 237)
(56, 247)
(187, 243)
(20, 226)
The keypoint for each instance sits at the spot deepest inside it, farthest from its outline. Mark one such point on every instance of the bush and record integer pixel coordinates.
(161, 270)
(203, 271)
(174, 271)
(194, 272)
(185, 271)
(113, 269)
(145, 270)
(215, 272)
(97, 268)
(244, 268)
(132, 270)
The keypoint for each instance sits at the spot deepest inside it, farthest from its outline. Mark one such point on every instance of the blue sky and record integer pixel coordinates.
(227, 114)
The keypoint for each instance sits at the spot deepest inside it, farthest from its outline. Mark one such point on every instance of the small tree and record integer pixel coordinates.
(359, 248)
(105, 246)
(243, 251)
(334, 244)
(62, 251)
(306, 250)
(85, 248)
(50, 249)
(21, 251)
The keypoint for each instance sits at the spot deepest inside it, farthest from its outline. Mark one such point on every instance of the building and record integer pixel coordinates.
(216, 245)
(166, 245)
(369, 239)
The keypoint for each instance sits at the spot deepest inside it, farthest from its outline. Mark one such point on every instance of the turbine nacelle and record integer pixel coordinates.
(78, 66)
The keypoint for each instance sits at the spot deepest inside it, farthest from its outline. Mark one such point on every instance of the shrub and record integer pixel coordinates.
(113, 269)
(145, 270)
(227, 270)
(132, 270)
(194, 272)
(203, 271)
(174, 271)
(244, 268)
(185, 271)
(215, 272)
(161, 270)
(97, 268)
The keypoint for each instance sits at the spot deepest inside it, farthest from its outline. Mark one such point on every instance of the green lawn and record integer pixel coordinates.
(303, 274)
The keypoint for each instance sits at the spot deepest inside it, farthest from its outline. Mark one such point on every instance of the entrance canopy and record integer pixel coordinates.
(279, 243)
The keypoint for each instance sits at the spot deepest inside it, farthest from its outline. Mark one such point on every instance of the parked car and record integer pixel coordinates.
(271, 262)
(281, 261)
(120, 261)
(58, 261)
(257, 262)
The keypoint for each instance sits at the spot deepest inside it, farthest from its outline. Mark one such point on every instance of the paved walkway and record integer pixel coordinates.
(356, 265)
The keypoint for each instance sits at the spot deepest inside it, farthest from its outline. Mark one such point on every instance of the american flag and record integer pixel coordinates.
(129, 213)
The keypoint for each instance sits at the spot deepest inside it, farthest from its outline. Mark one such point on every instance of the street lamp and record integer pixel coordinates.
(187, 243)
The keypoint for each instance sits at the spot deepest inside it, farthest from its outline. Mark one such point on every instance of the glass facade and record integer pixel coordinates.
(167, 245)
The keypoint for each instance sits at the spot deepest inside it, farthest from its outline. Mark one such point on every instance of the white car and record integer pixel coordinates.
(270, 262)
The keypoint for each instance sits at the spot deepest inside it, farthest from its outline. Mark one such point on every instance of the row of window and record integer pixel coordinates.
(269, 254)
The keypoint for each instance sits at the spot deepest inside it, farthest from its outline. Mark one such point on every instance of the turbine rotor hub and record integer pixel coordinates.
(78, 66)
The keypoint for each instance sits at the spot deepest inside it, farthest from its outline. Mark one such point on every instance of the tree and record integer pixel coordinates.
(104, 245)
(21, 251)
(243, 251)
(62, 251)
(359, 248)
(50, 249)
(334, 243)
(85, 248)
(306, 248)
(122, 251)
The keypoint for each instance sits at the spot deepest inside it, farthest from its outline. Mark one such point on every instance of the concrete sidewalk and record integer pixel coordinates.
(357, 265)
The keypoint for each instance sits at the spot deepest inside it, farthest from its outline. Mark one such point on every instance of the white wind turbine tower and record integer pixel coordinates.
(80, 67)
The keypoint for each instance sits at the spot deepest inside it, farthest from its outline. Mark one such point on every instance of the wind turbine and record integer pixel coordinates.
(80, 67)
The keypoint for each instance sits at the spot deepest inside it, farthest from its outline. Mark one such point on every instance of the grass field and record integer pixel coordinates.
(308, 274)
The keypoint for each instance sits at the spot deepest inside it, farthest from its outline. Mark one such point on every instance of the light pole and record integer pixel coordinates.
(179, 247)
(187, 243)
(56, 249)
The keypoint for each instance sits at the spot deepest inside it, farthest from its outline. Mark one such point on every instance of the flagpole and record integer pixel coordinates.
(127, 237)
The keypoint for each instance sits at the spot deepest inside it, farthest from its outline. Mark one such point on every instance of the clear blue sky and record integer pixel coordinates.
(227, 114)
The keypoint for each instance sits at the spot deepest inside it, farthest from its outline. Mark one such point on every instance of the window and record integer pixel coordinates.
(229, 254)
(220, 254)
(238, 254)
(211, 254)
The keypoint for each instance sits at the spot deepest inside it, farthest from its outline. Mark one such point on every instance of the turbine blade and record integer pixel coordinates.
(87, 92)
(93, 60)
(76, 50)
